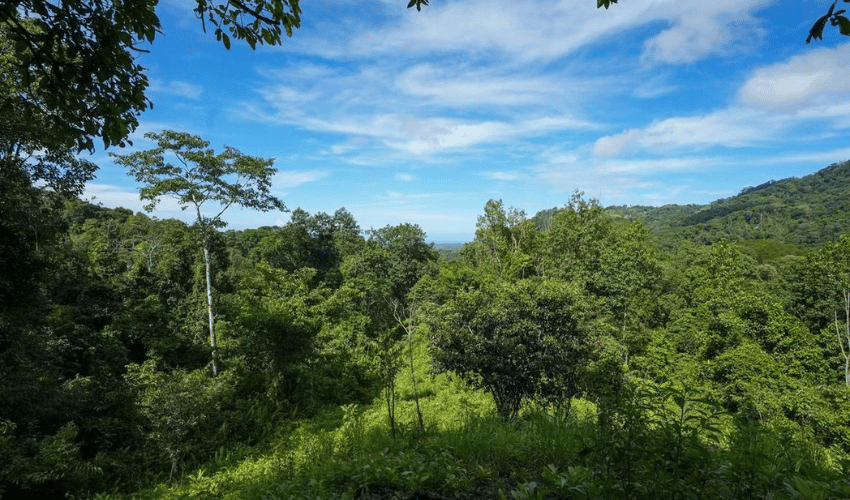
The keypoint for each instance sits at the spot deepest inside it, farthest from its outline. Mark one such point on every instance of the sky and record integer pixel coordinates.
(414, 117)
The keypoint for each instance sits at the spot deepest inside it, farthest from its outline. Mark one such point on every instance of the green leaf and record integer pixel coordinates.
(225, 40)
(843, 25)
(817, 29)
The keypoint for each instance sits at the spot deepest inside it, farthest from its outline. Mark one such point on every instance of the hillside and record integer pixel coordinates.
(807, 211)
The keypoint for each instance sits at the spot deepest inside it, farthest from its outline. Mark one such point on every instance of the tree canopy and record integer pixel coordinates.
(74, 61)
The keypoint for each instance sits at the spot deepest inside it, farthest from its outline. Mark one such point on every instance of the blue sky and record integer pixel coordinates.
(421, 117)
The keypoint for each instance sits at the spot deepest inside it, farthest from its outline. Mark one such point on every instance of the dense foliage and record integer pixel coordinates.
(567, 355)
(69, 66)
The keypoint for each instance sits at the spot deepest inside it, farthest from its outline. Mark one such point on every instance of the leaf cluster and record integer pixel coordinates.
(835, 18)
(254, 21)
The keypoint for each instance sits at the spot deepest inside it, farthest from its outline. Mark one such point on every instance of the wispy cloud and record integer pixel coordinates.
(177, 88)
(703, 29)
(502, 175)
(464, 87)
(816, 79)
(294, 178)
(654, 87)
(734, 128)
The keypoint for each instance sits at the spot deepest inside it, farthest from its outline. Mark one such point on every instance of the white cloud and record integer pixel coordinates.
(733, 127)
(464, 87)
(422, 136)
(177, 88)
(502, 175)
(613, 145)
(815, 78)
(294, 178)
(775, 102)
(442, 135)
(350, 144)
(405, 177)
(703, 29)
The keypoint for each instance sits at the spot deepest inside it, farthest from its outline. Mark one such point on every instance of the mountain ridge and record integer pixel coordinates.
(808, 211)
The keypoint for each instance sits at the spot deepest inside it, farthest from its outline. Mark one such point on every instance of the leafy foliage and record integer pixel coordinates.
(608, 367)
(835, 18)
(73, 62)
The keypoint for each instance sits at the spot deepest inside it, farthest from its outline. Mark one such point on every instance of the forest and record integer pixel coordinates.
(580, 353)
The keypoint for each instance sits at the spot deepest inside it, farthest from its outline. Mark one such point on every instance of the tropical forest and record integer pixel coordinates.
(582, 352)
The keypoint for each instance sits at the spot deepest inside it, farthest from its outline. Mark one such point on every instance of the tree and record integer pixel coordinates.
(76, 58)
(504, 240)
(534, 338)
(201, 176)
(28, 138)
(832, 262)
(845, 335)
(383, 272)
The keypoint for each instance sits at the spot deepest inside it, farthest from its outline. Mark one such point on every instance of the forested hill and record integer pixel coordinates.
(806, 211)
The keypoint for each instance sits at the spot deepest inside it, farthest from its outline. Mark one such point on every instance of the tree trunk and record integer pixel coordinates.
(846, 336)
(213, 344)
(409, 331)
(413, 383)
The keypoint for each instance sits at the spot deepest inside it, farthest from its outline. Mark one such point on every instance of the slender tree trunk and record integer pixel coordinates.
(413, 380)
(845, 337)
(409, 331)
(389, 392)
(213, 344)
(625, 310)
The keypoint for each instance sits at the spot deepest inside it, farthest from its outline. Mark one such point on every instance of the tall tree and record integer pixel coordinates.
(504, 241)
(383, 273)
(202, 177)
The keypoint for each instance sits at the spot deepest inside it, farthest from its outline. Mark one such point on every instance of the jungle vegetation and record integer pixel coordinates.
(583, 352)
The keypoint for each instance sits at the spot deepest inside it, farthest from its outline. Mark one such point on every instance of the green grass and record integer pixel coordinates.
(662, 443)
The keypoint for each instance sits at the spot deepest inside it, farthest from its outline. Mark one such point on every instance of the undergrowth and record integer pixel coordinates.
(651, 442)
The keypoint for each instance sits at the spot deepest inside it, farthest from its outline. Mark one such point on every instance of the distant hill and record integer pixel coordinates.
(806, 211)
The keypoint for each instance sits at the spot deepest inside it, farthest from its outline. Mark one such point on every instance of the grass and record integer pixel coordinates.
(663, 444)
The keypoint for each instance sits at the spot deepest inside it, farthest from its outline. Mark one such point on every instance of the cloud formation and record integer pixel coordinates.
(295, 178)
(812, 79)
